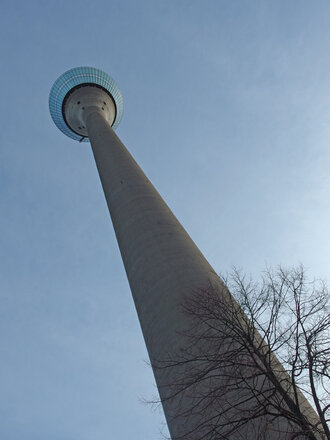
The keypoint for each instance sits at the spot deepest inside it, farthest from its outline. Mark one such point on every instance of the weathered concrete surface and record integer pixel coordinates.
(162, 262)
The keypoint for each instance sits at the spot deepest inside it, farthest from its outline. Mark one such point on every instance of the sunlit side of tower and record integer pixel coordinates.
(162, 263)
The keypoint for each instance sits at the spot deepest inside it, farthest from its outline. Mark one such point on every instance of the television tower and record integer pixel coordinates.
(162, 263)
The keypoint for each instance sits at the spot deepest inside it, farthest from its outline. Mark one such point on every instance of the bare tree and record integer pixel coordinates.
(251, 357)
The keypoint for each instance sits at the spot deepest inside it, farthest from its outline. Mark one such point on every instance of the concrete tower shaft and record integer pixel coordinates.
(163, 267)
(162, 263)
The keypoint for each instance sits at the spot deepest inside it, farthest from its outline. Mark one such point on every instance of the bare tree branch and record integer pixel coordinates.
(250, 356)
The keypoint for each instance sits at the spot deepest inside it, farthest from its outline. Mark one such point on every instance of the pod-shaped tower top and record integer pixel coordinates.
(78, 89)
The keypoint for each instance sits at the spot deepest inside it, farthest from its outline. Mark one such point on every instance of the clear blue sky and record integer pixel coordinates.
(227, 109)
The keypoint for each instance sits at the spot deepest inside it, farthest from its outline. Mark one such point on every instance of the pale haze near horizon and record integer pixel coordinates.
(227, 110)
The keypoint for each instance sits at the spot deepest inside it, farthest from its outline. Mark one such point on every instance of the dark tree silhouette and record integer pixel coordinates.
(251, 357)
